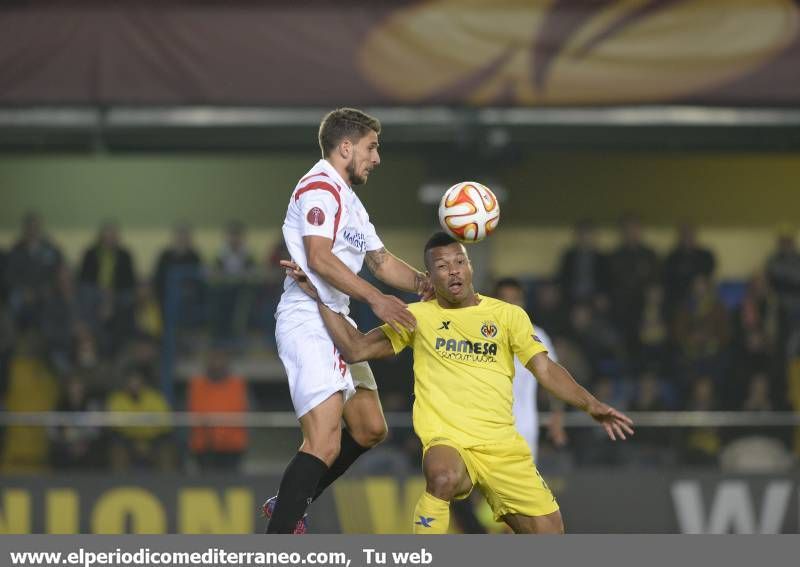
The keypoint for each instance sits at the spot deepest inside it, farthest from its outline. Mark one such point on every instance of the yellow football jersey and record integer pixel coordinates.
(463, 368)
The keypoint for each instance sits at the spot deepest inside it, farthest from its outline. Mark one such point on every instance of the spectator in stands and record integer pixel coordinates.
(548, 308)
(632, 267)
(581, 274)
(235, 259)
(77, 447)
(107, 278)
(146, 312)
(182, 255)
(649, 394)
(3, 277)
(653, 332)
(270, 292)
(143, 353)
(6, 333)
(756, 348)
(572, 356)
(597, 338)
(59, 321)
(277, 253)
(702, 445)
(759, 396)
(219, 390)
(783, 272)
(31, 269)
(701, 329)
(31, 388)
(682, 265)
(759, 311)
(140, 446)
(233, 292)
(7, 338)
(86, 354)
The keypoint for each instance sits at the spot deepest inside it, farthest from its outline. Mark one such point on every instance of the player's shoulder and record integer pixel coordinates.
(316, 178)
(506, 313)
(423, 308)
(502, 307)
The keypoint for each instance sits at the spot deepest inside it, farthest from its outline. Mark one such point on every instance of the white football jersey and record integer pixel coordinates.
(526, 414)
(322, 204)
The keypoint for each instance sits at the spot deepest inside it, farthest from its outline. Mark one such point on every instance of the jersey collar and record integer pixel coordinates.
(331, 171)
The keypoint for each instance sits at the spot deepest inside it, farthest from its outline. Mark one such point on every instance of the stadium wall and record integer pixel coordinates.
(592, 501)
(737, 200)
(544, 188)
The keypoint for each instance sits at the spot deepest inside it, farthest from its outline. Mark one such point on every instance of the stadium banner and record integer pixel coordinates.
(453, 52)
(592, 501)
(397, 551)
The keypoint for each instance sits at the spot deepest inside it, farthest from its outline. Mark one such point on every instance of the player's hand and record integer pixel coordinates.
(393, 312)
(555, 429)
(424, 287)
(297, 274)
(616, 423)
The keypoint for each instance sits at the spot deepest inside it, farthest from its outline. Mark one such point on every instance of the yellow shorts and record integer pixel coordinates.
(507, 476)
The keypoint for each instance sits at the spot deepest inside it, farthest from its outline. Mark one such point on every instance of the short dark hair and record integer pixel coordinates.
(438, 240)
(344, 123)
(508, 282)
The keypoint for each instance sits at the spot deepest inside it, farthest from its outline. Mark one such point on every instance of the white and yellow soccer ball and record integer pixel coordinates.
(469, 211)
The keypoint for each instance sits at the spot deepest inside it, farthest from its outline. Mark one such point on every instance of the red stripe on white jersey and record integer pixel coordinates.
(324, 186)
(322, 173)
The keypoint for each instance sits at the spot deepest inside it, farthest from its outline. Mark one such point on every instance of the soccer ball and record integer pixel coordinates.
(469, 211)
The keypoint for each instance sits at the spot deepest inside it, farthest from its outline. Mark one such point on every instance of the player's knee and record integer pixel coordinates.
(552, 524)
(370, 433)
(443, 483)
(327, 453)
(325, 449)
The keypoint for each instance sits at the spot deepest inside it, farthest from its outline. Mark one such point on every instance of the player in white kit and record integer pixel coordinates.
(526, 415)
(328, 233)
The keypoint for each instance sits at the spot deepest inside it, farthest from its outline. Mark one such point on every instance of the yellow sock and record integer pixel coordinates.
(431, 515)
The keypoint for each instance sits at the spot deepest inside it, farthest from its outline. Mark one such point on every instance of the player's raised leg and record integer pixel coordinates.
(446, 477)
(547, 524)
(321, 428)
(366, 427)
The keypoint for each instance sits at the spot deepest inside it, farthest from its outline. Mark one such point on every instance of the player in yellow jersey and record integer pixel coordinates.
(464, 346)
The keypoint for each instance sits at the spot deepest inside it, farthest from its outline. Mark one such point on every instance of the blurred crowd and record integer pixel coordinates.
(651, 333)
(89, 337)
(644, 332)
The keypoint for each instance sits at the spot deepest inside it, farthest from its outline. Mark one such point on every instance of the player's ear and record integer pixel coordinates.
(346, 148)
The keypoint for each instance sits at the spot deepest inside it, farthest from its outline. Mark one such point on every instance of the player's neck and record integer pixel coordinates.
(341, 170)
(471, 300)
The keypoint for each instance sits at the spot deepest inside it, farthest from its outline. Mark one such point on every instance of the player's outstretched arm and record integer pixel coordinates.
(322, 260)
(354, 345)
(555, 378)
(393, 271)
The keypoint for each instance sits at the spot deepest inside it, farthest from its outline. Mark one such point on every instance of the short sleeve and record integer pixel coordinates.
(524, 341)
(399, 340)
(373, 241)
(545, 339)
(319, 209)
